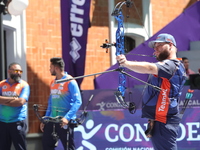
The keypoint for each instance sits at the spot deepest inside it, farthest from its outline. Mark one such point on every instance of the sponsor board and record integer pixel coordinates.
(120, 130)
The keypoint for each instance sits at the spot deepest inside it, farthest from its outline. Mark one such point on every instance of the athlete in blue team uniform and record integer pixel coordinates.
(14, 94)
(65, 100)
(161, 107)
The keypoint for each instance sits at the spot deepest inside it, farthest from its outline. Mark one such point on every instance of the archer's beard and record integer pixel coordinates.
(162, 56)
(15, 77)
(53, 73)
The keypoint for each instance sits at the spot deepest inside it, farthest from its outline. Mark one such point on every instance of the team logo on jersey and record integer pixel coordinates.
(4, 87)
(61, 86)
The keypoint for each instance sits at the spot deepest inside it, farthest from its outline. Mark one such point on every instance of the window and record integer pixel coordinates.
(129, 44)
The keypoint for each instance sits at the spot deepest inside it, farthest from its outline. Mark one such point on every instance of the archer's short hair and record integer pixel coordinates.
(13, 63)
(58, 61)
(184, 58)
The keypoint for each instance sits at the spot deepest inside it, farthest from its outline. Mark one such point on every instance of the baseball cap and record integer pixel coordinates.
(164, 37)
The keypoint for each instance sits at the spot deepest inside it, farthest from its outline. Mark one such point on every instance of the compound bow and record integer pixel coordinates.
(46, 119)
(117, 13)
(120, 93)
(58, 119)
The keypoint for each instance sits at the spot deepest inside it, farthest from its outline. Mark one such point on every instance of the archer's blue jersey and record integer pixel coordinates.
(163, 105)
(65, 99)
(21, 90)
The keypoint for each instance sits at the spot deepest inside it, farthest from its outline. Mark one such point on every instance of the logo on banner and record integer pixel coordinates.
(101, 105)
(75, 47)
(108, 105)
(125, 134)
(89, 135)
(191, 103)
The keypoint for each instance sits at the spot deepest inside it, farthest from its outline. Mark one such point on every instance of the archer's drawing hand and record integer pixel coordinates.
(64, 122)
(121, 59)
(42, 127)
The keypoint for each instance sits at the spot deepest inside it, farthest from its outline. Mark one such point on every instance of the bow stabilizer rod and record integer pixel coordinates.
(65, 80)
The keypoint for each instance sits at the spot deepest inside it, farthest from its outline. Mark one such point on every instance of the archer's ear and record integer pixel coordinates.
(171, 45)
(57, 69)
(9, 71)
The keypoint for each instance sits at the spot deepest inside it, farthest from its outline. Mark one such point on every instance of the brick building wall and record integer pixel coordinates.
(165, 11)
(44, 41)
(97, 60)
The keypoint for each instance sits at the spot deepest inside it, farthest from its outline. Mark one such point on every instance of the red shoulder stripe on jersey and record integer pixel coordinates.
(163, 102)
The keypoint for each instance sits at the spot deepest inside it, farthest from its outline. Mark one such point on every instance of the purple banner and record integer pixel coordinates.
(120, 130)
(75, 23)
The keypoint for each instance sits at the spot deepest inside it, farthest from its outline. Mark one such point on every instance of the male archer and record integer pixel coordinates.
(161, 107)
(65, 100)
(14, 95)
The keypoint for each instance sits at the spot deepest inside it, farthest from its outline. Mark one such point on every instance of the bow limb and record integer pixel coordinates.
(120, 93)
(35, 108)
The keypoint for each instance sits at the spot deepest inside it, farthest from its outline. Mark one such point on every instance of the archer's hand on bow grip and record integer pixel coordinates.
(121, 59)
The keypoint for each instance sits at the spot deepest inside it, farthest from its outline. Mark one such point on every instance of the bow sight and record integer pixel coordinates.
(107, 45)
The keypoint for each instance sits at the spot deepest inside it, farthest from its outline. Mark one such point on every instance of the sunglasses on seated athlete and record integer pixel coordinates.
(17, 71)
